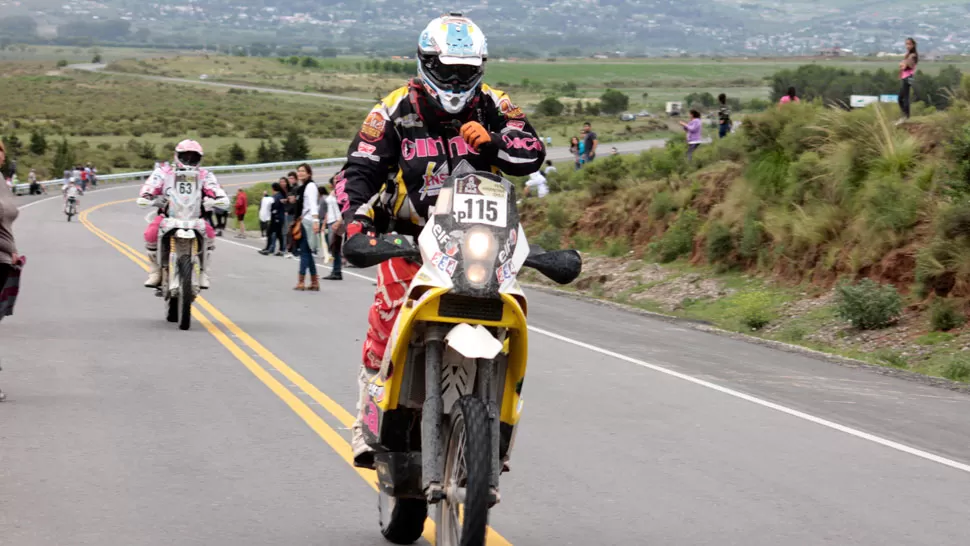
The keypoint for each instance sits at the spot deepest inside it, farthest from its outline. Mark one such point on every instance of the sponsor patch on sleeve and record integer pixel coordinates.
(366, 151)
(373, 128)
(510, 110)
(518, 125)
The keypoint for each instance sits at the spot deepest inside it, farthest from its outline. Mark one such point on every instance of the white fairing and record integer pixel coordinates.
(473, 341)
(183, 191)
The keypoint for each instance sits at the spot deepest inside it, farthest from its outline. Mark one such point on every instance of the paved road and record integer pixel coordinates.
(120, 429)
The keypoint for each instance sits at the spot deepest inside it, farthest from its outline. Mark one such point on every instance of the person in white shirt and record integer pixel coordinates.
(309, 223)
(265, 212)
(550, 168)
(334, 222)
(537, 181)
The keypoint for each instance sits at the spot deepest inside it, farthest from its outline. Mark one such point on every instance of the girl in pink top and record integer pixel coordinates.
(907, 69)
(790, 97)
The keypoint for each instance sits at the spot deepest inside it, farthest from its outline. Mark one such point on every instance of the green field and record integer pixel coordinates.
(649, 82)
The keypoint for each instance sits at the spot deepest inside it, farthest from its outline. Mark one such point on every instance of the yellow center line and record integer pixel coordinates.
(311, 418)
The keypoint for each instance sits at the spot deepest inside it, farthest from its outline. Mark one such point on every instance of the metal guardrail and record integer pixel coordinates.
(20, 189)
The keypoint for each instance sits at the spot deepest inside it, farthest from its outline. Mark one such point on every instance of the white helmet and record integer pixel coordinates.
(451, 61)
(188, 154)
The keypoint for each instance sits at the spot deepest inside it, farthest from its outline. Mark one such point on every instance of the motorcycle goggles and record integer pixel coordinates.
(190, 159)
(454, 78)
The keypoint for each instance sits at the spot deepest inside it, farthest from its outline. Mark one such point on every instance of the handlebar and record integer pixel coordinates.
(362, 250)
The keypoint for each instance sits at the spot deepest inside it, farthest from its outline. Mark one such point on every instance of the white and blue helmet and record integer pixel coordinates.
(451, 61)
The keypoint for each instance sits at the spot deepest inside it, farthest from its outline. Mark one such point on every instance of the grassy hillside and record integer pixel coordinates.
(802, 198)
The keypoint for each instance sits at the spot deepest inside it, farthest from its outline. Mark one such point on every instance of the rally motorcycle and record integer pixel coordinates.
(181, 245)
(442, 412)
(70, 207)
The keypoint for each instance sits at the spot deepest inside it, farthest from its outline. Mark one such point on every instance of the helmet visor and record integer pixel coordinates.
(456, 78)
(191, 159)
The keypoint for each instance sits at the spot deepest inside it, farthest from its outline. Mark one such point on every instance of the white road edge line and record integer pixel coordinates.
(736, 394)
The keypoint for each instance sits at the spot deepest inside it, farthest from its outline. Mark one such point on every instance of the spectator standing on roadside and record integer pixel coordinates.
(306, 223)
(222, 217)
(35, 187)
(591, 142)
(9, 260)
(290, 210)
(693, 129)
(84, 179)
(335, 235)
(277, 217)
(574, 148)
(907, 71)
(723, 116)
(265, 206)
(242, 203)
(790, 97)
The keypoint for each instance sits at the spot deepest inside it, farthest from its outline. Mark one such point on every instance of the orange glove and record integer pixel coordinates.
(475, 134)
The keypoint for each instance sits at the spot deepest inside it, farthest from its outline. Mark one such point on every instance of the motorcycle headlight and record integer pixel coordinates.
(478, 245)
(476, 274)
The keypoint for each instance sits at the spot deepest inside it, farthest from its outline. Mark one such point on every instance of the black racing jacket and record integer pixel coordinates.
(406, 149)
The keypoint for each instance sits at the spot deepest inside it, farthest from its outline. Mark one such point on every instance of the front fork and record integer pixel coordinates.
(432, 418)
(432, 415)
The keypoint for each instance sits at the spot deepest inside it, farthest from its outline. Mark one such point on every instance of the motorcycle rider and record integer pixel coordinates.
(70, 189)
(188, 157)
(407, 147)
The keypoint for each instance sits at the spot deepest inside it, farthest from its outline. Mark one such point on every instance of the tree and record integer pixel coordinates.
(267, 153)
(704, 99)
(96, 59)
(38, 144)
(295, 146)
(593, 109)
(236, 154)
(63, 157)
(309, 62)
(549, 106)
(13, 146)
(614, 102)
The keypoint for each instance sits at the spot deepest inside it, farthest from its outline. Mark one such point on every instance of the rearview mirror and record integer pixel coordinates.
(363, 251)
(560, 266)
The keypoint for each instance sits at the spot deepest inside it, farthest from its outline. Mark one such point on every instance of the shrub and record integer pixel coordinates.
(61, 63)
(556, 215)
(617, 247)
(945, 315)
(549, 106)
(549, 239)
(958, 368)
(752, 237)
(720, 242)
(754, 310)
(868, 305)
(662, 204)
(678, 240)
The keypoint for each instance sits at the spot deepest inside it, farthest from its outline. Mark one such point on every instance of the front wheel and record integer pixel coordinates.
(184, 268)
(462, 516)
(402, 520)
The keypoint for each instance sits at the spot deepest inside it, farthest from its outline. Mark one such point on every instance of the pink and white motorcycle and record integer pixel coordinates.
(182, 245)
